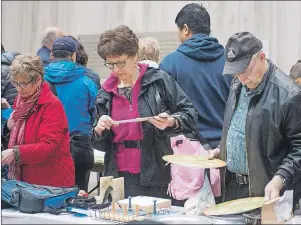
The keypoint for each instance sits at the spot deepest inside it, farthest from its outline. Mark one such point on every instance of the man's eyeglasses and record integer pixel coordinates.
(21, 84)
(120, 64)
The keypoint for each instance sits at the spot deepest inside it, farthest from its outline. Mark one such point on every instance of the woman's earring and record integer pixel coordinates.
(39, 87)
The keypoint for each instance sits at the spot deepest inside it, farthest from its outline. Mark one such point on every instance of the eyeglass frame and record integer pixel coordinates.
(120, 64)
(21, 85)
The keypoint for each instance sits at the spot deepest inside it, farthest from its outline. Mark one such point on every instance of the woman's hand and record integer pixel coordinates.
(4, 104)
(162, 121)
(104, 122)
(7, 156)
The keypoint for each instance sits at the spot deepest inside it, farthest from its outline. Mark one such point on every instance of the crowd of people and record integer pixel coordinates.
(55, 111)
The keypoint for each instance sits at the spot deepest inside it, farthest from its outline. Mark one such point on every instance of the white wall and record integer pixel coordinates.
(277, 22)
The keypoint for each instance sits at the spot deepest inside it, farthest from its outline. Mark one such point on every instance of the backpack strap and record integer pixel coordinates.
(52, 88)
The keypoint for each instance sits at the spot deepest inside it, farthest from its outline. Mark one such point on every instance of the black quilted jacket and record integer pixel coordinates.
(7, 90)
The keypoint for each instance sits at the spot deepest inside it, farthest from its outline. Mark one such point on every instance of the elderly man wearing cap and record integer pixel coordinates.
(77, 92)
(261, 139)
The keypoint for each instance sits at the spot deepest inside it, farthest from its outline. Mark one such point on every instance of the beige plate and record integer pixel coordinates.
(194, 161)
(235, 206)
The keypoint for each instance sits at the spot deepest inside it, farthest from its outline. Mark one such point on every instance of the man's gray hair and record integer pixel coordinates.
(148, 49)
(50, 34)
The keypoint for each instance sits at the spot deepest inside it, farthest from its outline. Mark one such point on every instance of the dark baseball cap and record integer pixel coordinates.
(239, 51)
(65, 43)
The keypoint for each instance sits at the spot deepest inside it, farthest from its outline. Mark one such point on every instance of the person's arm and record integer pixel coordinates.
(291, 164)
(52, 129)
(166, 65)
(8, 91)
(101, 139)
(178, 104)
(92, 98)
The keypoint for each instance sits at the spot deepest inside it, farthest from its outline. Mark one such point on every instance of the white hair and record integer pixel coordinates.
(50, 34)
(148, 49)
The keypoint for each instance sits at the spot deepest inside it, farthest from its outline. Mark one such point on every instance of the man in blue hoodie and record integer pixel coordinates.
(77, 92)
(197, 66)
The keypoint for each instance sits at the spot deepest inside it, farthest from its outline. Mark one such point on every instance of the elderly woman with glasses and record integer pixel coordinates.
(39, 149)
(134, 149)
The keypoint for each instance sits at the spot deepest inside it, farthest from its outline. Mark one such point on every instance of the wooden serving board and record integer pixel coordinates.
(237, 206)
(194, 161)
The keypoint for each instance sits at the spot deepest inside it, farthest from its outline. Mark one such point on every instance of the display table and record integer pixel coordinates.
(13, 216)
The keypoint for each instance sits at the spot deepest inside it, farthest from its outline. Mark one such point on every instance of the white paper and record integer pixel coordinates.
(284, 206)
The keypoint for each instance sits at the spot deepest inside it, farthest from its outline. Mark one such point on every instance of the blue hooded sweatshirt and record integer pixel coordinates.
(197, 66)
(77, 93)
(91, 74)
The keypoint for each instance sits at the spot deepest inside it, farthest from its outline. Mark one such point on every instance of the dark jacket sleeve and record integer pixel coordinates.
(102, 106)
(8, 91)
(291, 165)
(178, 103)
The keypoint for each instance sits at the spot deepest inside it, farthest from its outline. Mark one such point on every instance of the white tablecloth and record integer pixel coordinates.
(13, 216)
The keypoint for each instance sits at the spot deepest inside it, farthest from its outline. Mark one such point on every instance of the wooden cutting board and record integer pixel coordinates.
(194, 161)
(237, 206)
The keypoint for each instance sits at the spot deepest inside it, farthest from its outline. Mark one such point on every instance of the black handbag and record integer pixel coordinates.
(83, 202)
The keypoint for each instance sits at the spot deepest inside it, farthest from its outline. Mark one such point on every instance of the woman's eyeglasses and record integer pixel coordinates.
(21, 84)
(120, 64)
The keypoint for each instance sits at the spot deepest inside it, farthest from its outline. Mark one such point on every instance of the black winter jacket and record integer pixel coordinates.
(159, 93)
(273, 130)
(8, 91)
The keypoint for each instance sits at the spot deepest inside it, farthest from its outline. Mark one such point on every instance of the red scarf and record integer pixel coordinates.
(23, 109)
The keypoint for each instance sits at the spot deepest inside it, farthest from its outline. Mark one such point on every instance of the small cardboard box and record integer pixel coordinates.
(268, 215)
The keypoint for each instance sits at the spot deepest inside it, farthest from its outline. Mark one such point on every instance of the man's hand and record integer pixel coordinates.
(162, 121)
(104, 122)
(273, 188)
(214, 154)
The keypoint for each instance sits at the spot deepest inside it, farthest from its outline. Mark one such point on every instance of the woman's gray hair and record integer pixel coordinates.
(28, 65)
(149, 49)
